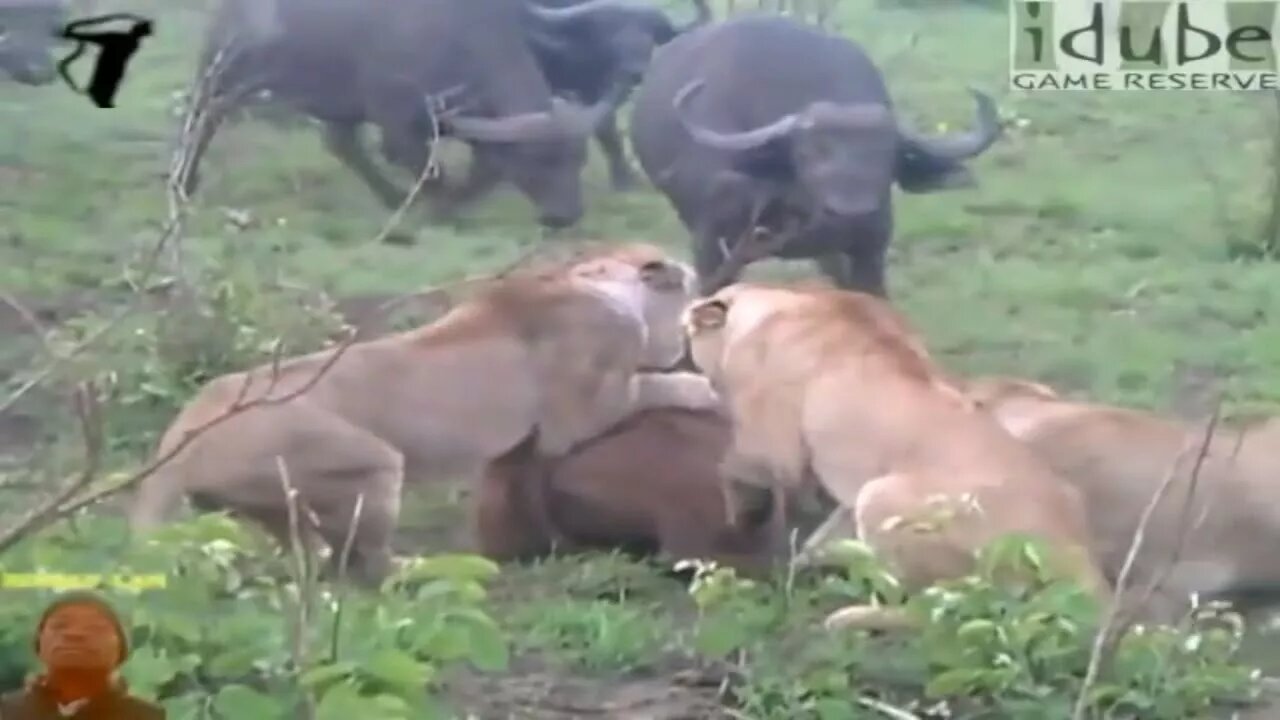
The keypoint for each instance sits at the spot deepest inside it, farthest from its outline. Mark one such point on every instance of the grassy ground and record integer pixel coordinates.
(1096, 253)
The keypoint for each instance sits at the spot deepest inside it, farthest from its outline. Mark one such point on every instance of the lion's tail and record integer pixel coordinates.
(870, 617)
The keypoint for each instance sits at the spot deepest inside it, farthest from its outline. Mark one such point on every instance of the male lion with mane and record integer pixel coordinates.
(1119, 457)
(832, 384)
(558, 351)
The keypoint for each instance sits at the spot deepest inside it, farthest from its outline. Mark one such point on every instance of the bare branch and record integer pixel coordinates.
(302, 575)
(55, 508)
(1108, 631)
(342, 575)
(180, 168)
(428, 168)
(30, 319)
(755, 244)
(88, 411)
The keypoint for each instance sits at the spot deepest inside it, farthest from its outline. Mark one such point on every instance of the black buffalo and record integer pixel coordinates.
(585, 46)
(351, 62)
(765, 122)
(28, 31)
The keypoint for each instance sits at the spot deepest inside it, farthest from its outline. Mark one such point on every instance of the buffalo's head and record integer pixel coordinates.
(542, 153)
(28, 31)
(625, 31)
(845, 156)
(841, 155)
(932, 163)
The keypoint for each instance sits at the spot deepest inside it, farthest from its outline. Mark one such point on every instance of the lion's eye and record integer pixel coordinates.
(653, 266)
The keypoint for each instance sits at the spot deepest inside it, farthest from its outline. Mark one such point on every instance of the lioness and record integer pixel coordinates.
(556, 351)
(1119, 457)
(649, 486)
(833, 384)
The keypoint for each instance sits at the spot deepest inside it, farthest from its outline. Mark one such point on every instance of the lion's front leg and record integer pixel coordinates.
(747, 483)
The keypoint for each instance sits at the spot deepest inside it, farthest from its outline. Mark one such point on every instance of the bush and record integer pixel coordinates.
(985, 649)
(219, 636)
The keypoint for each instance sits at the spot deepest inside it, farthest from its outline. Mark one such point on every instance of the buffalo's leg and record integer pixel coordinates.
(219, 108)
(414, 152)
(343, 142)
(621, 175)
(482, 177)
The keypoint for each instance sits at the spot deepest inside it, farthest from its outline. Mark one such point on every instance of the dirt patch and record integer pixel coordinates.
(531, 691)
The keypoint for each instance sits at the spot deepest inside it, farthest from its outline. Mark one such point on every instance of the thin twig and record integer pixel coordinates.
(340, 603)
(1102, 640)
(29, 318)
(180, 168)
(1184, 521)
(55, 509)
(88, 411)
(428, 167)
(302, 582)
(886, 709)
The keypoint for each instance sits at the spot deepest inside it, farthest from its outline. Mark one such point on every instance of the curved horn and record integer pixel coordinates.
(583, 9)
(730, 141)
(958, 146)
(575, 119)
(564, 120)
(508, 128)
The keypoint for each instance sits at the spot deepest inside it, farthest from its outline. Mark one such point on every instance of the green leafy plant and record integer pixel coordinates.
(1013, 639)
(214, 639)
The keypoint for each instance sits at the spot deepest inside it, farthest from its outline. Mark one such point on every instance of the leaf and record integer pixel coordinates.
(955, 682)
(147, 670)
(978, 630)
(398, 669)
(343, 702)
(326, 672)
(489, 649)
(241, 701)
(458, 567)
(185, 707)
(833, 709)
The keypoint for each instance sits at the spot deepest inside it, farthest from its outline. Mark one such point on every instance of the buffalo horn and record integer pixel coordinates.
(962, 145)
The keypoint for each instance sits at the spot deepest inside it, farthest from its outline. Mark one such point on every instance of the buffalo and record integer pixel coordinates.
(771, 137)
(585, 46)
(387, 63)
(28, 31)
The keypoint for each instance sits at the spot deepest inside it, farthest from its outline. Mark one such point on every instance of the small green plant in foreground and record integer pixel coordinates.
(985, 649)
(218, 640)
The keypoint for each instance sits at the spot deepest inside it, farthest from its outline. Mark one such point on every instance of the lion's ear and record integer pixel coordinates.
(709, 315)
(662, 275)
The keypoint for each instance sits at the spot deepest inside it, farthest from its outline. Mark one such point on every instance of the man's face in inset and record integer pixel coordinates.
(79, 637)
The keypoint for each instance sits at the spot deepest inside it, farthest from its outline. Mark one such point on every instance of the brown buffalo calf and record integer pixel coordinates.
(651, 486)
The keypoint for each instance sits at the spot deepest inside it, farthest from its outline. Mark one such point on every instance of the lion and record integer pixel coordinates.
(833, 386)
(561, 350)
(1119, 457)
(649, 486)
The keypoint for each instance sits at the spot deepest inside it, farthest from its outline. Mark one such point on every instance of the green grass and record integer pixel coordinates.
(1094, 254)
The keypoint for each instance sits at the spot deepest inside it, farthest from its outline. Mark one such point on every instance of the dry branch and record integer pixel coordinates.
(59, 507)
(303, 573)
(343, 557)
(180, 168)
(1112, 629)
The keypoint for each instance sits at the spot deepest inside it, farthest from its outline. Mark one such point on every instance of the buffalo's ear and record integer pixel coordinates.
(708, 315)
